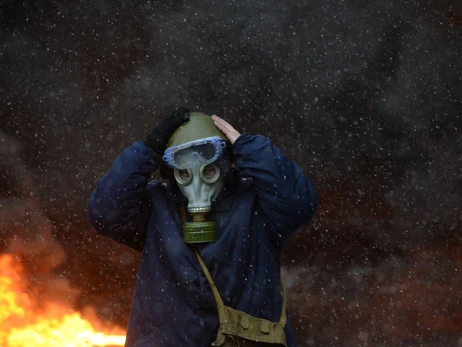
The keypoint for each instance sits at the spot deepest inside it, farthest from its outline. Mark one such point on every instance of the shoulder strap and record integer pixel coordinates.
(283, 317)
(219, 300)
(216, 294)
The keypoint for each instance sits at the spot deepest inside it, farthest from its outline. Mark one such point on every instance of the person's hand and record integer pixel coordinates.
(226, 128)
(158, 137)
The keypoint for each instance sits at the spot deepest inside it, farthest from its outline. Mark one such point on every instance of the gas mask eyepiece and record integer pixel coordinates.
(208, 173)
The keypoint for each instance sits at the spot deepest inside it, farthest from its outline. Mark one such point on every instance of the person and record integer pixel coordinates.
(210, 232)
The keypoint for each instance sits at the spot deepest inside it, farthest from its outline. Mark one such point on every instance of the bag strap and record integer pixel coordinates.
(216, 293)
(283, 317)
(219, 300)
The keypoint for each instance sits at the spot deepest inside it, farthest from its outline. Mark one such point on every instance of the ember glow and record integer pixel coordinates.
(25, 322)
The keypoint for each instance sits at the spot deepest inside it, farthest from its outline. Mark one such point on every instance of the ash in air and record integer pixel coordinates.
(363, 94)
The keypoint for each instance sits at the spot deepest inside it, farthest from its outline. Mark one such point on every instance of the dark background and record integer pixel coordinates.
(364, 95)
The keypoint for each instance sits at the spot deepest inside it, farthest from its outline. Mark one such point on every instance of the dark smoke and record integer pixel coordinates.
(365, 95)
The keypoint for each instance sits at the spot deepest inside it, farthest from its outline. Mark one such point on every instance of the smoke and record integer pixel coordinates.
(25, 229)
(27, 233)
(363, 94)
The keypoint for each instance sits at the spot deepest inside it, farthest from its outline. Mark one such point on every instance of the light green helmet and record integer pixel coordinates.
(199, 126)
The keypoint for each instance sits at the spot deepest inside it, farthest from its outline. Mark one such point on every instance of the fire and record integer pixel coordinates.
(23, 324)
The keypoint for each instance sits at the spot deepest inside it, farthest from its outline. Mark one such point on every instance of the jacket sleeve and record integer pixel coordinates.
(120, 206)
(286, 197)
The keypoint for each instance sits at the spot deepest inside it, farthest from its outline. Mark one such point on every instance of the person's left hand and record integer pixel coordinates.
(158, 137)
(226, 128)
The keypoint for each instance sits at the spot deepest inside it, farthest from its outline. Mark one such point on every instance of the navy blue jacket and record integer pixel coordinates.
(173, 305)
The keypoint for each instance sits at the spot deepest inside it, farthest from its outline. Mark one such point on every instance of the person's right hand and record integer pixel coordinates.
(158, 138)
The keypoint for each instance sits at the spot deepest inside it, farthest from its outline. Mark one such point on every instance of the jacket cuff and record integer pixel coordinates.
(154, 156)
(241, 141)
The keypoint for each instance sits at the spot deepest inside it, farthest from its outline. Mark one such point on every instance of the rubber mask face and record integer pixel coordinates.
(200, 181)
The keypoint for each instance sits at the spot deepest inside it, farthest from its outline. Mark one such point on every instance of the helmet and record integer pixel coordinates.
(199, 126)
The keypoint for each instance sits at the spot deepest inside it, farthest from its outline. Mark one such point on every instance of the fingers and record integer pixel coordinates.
(221, 124)
(226, 128)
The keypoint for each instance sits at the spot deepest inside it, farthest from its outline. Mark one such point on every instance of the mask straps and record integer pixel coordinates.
(183, 214)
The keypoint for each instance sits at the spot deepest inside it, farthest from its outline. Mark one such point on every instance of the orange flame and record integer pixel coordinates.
(21, 324)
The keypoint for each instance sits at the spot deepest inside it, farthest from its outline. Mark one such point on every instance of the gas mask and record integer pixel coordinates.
(200, 171)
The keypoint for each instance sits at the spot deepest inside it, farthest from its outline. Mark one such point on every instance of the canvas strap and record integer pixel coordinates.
(219, 301)
(238, 328)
